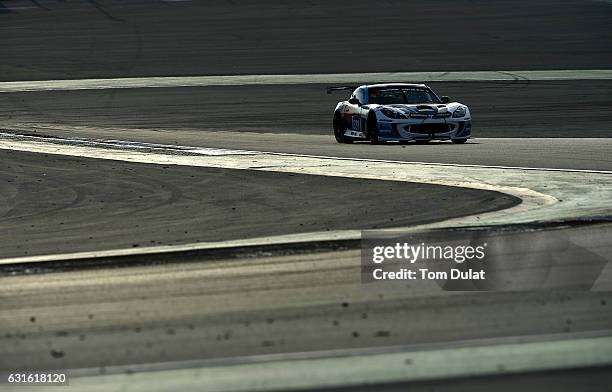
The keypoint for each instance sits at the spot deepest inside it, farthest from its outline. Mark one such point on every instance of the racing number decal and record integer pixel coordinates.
(356, 123)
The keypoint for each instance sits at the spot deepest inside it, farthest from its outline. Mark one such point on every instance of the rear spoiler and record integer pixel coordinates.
(339, 88)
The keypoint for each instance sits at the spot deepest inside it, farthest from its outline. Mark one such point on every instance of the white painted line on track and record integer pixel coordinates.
(394, 366)
(546, 195)
(445, 164)
(124, 144)
(346, 78)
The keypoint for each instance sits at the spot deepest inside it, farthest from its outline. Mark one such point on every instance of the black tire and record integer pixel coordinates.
(459, 141)
(372, 128)
(339, 130)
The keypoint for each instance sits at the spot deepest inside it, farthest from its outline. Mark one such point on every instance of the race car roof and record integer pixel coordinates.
(392, 85)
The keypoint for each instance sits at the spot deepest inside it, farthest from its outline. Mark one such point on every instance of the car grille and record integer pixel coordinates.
(429, 128)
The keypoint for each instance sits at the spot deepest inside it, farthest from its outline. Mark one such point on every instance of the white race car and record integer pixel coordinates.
(399, 112)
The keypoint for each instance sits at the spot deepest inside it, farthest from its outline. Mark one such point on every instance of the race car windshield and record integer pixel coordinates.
(394, 96)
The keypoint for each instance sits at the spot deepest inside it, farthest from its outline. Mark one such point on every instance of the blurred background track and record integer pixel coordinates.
(49, 39)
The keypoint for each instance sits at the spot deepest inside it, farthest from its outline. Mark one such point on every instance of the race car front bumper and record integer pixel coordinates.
(425, 129)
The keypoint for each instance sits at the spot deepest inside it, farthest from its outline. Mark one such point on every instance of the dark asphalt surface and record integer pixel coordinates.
(523, 109)
(56, 204)
(155, 38)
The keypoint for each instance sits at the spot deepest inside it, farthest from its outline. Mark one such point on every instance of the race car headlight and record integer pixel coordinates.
(459, 112)
(392, 113)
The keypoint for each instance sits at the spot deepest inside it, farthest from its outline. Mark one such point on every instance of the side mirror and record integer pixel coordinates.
(445, 99)
(354, 101)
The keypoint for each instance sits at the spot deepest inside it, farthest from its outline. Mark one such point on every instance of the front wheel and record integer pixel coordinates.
(339, 130)
(373, 129)
(459, 141)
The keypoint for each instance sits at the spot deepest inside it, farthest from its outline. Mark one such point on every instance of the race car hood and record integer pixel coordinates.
(424, 109)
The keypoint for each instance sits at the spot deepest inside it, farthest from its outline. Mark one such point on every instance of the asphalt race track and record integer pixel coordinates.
(134, 205)
(501, 109)
(158, 38)
(279, 301)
